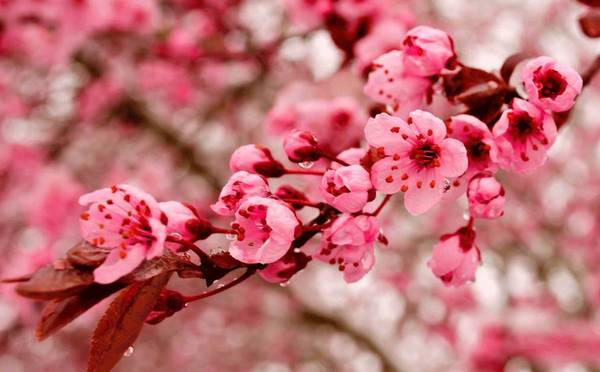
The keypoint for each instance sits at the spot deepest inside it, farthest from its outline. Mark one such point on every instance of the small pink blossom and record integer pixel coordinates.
(348, 243)
(387, 35)
(417, 157)
(346, 188)
(486, 197)
(181, 219)
(524, 134)
(255, 159)
(389, 83)
(240, 186)
(455, 257)
(301, 146)
(283, 269)
(551, 85)
(129, 222)
(426, 51)
(265, 230)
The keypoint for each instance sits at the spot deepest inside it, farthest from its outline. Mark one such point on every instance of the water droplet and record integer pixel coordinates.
(284, 284)
(466, 216)
(306, 164)
(230, 236)
(186, 305)
(128, 352)
(381, 232)
(297, 250)
(220, 285)
(176, 236)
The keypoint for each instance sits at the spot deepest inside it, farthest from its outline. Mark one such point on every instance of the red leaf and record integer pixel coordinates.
(49, 283)
(590, 23)
(86, 255)
(120, 326)
(61, 312)
(510, 64)
(150, 268)
(592, 3)
(466, 78)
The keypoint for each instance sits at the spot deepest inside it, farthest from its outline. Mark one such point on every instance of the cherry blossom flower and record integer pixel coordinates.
(241, 185)
(524, 134)
(255, 159)
(551, 85)
(301, 146)
(127, 221)
(348, 243)
(182, 219)
(417, 157)
(486, 196)
(426, 51)
(386, 35)
(455, 257)
(283, 269)
(389, 83)
(265, 230)
(346, 188)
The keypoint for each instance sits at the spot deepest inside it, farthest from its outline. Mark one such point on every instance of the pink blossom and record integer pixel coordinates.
(524, 134)
(283, 269)
(417, 158)
(387, 35)
(282, 118)
(426, 51)
(455, 257)
(551, 85)
(301, 146)
(348, 243)
(346, 188)
(181, 219)
(351, 156)
(265, 230)
(255, 159)
(389, 83)
(486, 196)
(307, 14)
(129, 222)
(241, 185)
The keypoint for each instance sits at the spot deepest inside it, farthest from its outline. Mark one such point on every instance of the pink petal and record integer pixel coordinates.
(420, 200)
(453, 159)
(446, 257)
(386, 131)
(428, 125)
(384, 178)
(114, 267)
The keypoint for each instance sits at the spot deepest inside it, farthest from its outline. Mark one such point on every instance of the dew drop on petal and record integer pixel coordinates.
(176, 236)
(297, 250)
(284, 284)
(466, 216)
(306, 164)
(230, 236)
(128, 352)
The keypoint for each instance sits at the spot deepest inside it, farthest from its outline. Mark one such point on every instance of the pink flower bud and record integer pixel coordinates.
(346, 188)
(348, 243)
(301, 146)
(255, 159)
(265, 230)
(178, 215)
(283, 269)
(486, 197)
(455, 257)
(240, 186)
(551, 85)
(427, 50)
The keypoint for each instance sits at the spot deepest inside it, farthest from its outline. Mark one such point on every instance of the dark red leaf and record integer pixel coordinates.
(225, 261)
(86, 255)
(120, 326)
(590, 23)
(465, 78)
(49, 283)
(17, 279)
(61, 312)
(167, 263)
(510, 64)
(592, 3)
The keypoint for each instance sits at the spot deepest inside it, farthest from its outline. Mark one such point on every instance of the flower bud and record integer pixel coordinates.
(301, 146)
(486, 197)
(427, 50)
(255, 159)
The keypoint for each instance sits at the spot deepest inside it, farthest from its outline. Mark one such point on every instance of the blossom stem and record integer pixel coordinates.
(334, 158)
(189, 246)
(249, 272)
(220, 230)
(304, 172)
(380, 207)
(317, 228)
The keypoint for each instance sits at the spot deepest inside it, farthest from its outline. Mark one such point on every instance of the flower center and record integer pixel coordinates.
(478, 150)
(521, 125)
(426, 155)
(550, 83)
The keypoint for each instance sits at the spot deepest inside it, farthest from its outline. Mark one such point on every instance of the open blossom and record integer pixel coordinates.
(486, 197)
(389, 83)
(255, 159)
(127, 221)
(241, 185)
(551, 85)
(346, 188)
(417, 158)
(283, 269)
(524, 134)
(301, 146)
(455, 257)
(348, 243)
(426, 50)
(265, 230)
